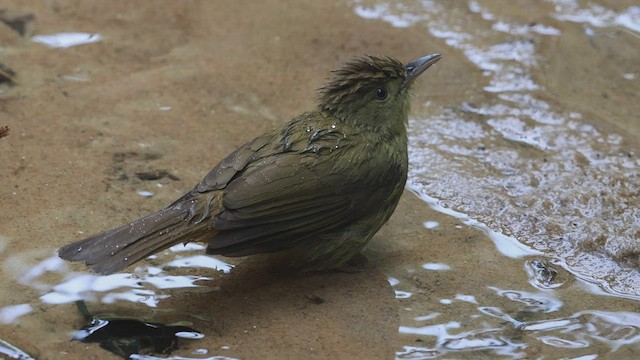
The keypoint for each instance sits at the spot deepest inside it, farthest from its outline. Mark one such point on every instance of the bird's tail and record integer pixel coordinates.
(118, 248)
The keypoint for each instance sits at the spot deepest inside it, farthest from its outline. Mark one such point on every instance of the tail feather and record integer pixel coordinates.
(118, 248)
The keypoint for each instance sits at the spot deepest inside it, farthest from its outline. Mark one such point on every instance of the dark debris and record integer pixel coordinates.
(7, 75)
(127, 336)
(155, 175)
(20, 23)
(4, 131)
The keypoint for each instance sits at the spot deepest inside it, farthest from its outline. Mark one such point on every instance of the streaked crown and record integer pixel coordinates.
(357, 76)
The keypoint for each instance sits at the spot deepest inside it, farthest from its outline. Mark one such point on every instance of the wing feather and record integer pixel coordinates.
(275, 206)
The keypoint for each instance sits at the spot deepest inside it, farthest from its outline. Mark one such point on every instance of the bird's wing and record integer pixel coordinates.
(294, 196)
(227, 169)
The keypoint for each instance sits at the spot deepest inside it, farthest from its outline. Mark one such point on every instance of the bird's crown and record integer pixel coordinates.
(358, 75)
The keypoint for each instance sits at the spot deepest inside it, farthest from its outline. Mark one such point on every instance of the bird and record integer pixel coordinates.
(316, 188)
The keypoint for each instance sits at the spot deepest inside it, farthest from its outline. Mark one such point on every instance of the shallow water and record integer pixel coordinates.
(559, 174)
(528, 164)
(521, 240)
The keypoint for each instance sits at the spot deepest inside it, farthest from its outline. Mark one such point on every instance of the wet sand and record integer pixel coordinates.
(173, 87)
(75, 146)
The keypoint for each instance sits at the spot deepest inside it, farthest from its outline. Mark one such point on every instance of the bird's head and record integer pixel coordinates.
(373, 91)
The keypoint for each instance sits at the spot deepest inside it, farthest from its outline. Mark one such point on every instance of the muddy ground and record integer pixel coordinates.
(171, 89)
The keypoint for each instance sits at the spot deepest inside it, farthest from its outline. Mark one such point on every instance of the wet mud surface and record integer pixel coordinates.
(517, 236)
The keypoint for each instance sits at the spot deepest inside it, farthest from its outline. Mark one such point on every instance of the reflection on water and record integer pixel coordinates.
(541, 274)
(140, 287)
(527, 317)
(436, 266)
(400, 294)
(10, 314)
(65, 40)
(506, 245)
(13, 352)
(596, 15)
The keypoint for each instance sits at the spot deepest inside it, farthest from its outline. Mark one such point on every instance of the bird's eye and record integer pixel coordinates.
(382, 93)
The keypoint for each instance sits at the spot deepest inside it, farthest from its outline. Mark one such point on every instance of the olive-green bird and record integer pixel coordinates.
(320, 186)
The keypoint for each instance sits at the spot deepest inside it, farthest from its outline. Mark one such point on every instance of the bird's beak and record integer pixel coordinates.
(417, 67)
